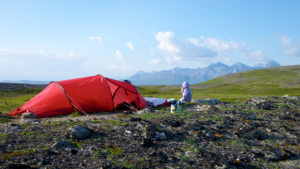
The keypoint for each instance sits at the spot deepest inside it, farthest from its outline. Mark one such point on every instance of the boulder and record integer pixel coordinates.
(79, 132)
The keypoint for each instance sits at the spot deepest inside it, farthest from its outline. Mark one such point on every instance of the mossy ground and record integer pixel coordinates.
(202, 140)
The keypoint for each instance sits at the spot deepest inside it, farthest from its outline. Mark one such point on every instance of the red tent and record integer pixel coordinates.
(87, 94)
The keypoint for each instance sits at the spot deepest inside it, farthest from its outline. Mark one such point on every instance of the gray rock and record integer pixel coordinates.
(79, 132)
(258, 100)
(290, 97)
(262, 103)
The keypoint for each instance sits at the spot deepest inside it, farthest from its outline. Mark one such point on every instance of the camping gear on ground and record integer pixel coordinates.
(172, 108)
(87, 94)
(156, 101)
(172, 101)
(208, 101)
(178, 108)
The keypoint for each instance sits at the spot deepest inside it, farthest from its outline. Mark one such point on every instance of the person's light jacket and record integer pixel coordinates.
(186, 92)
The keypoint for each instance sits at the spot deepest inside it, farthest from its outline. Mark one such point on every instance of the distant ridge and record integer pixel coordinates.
(178, 75)
(25, 82)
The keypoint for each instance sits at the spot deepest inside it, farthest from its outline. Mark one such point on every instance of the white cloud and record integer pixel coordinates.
(179, 50)
(194, 41)
(167, 42)
(113, 66)
(96, 38)
(291, 47)
(41, 53)
(64, 56)
(258, 56)
(221, 45)
(119, 55)
(155, 61)
(123, 68)
(129, 45)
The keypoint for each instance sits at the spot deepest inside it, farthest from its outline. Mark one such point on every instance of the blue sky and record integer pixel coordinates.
(57, 40)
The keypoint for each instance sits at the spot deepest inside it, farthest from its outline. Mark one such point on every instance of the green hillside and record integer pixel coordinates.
(265, 82)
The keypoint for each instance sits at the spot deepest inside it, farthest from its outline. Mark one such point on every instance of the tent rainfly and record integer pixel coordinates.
(87, 94)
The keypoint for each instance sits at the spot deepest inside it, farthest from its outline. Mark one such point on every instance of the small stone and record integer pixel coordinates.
(128, 132)
(268, 130)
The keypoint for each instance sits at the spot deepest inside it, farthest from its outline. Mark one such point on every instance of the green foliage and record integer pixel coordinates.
(63, 123)
(17, 153)
(4, 119)
(75, 114)
(77, 144)
(152, 116)
(115, 122)
(116, 150)
(3, 137)
(12, 99)
(237, 143)
(31, 134)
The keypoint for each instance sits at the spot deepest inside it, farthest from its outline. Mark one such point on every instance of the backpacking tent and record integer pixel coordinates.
(87, 94)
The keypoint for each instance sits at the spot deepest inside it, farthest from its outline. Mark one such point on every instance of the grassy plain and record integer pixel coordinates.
(230, 88)
(239, 86)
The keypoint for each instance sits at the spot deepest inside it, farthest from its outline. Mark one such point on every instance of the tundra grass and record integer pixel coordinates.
(13, 99)
(230, 88)
(238, 87)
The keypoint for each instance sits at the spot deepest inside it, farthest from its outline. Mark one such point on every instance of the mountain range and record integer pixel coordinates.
(178, 75)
